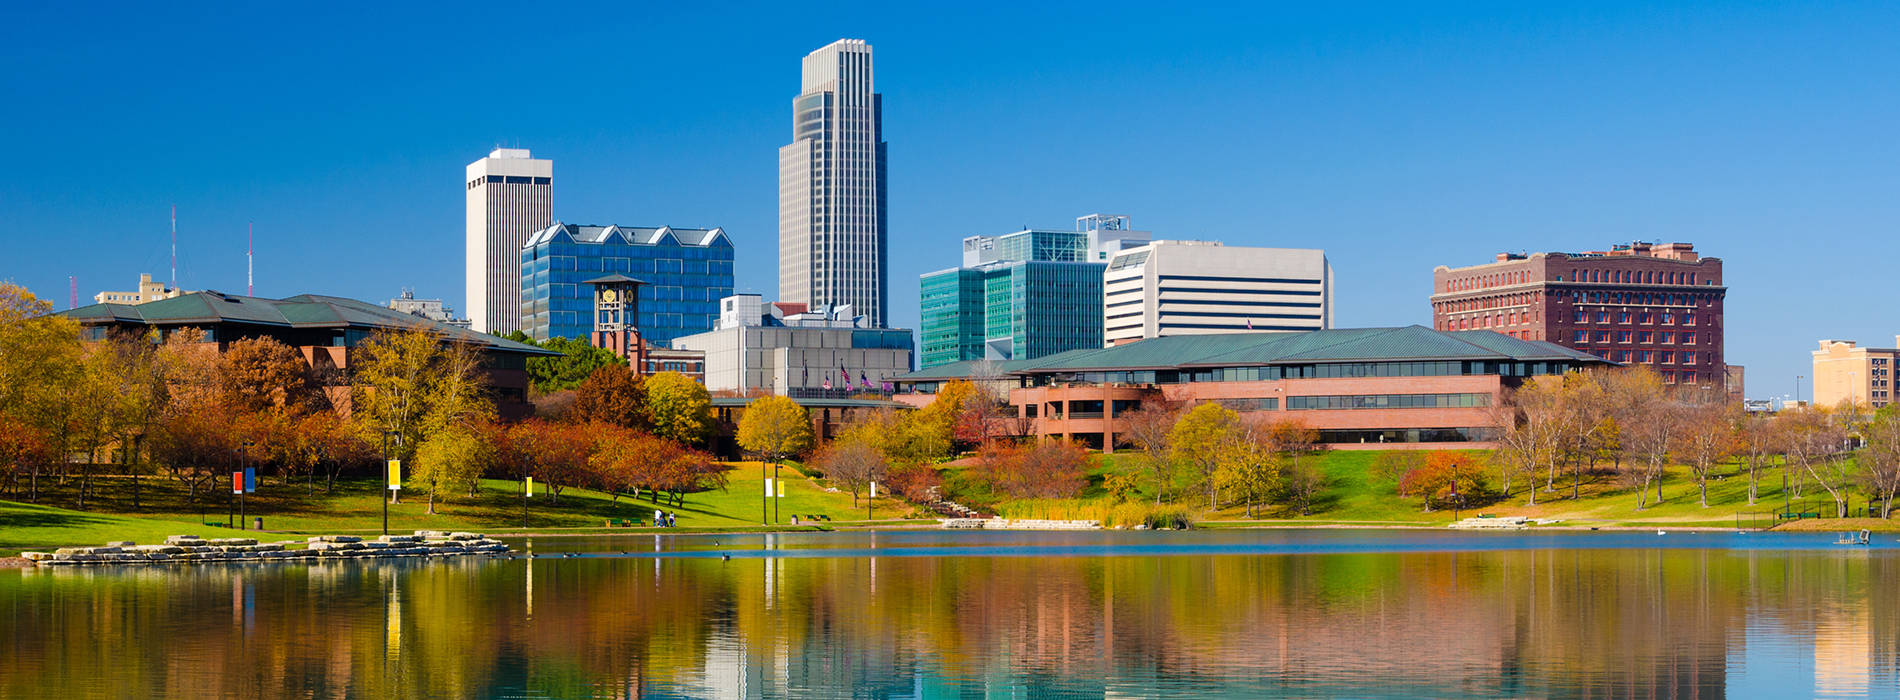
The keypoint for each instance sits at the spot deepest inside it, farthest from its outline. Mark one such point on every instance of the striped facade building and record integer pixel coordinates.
(1200, 287)
(510, 196)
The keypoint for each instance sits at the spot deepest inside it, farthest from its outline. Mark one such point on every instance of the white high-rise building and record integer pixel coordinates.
(831, 217)
(1189, 287)
(510, 196)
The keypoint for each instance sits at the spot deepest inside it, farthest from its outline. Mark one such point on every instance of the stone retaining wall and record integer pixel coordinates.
(192, 549)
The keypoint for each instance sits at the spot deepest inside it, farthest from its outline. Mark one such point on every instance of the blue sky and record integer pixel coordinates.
(1397, 136)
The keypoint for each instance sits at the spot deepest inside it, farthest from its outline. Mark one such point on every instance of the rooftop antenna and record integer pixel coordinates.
(174, 246)
(72, 291)
(250, 240)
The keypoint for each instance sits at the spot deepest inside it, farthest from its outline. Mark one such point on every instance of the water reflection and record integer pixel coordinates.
(895, 615)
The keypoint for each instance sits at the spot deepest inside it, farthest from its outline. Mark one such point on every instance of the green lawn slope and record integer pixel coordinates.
(165, 508)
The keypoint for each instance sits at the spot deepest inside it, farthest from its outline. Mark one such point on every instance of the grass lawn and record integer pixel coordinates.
(165, 508)
(1356, 494)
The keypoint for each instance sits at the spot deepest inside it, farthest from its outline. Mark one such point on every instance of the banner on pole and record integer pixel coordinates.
(395, 475)
(530, 487)
(237, 482)
(768, 487)
(250, 479)
(874, 489)
(781, 488)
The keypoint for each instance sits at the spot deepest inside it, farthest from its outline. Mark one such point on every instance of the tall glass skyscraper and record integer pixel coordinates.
(686, 271)
(1021, 295)
(831, 219)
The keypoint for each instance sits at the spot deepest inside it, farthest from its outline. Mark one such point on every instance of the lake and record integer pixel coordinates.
(933, 614)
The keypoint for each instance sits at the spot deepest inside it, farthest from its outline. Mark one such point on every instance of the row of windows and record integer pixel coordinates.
(1640, 298)
(1644, 317)
(1643, 337)
(1635, 277)
(1651, 357)
(1337, 370)
(1358, 401)
(508, 180)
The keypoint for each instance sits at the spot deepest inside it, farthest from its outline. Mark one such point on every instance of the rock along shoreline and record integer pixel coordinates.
(191, 549)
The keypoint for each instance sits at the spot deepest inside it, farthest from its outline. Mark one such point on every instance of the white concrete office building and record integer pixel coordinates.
(510, 196)
(1189, 287)
(831, 186)
(790, 350)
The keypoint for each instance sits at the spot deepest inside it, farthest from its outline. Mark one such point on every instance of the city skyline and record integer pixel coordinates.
(1593, 130)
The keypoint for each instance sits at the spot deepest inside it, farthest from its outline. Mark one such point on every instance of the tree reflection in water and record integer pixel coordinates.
(1553, 622)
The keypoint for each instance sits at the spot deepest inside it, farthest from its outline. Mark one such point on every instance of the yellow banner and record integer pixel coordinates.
(395, 475)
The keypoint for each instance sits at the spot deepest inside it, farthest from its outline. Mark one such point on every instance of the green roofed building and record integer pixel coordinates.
(324, 328)
(1357, 388)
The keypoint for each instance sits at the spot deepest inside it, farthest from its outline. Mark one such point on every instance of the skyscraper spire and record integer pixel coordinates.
(832, 240)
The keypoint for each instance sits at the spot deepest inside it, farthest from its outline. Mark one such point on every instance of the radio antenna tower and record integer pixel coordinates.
(72, 292)
(250, 239)
(174, 246)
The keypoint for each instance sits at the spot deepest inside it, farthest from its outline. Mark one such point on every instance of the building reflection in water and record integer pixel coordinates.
(1548, 623)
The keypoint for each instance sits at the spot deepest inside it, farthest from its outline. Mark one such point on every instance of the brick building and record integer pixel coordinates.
(1360, 388)
(1658, 305)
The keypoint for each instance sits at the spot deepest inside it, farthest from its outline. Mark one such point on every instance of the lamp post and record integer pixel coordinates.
(244, 463)
(387, 434)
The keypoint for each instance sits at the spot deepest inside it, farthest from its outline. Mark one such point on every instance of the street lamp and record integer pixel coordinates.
(244, 463)
(387, 434)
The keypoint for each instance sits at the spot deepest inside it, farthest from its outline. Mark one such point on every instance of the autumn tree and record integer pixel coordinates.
(259, 374)
(1250, 468)
(1880, 460)
(774, 428)
(852, 463)
(41, 358)
(1297, 443)
(679, 407)
(1446, 478)
(1706, 437)
(578, 361)
(1048, 469)
(1815, 442)
(1760, 442)
(449, 460)
(1204, 439)
(1148, 428)
(412, 383)
(613, 394)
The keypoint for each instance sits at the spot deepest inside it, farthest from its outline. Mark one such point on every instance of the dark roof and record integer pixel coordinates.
(1403, 344)
(301, 311)
(612, 278)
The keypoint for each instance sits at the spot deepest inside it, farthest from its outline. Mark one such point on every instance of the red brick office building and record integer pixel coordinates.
(1651, 304)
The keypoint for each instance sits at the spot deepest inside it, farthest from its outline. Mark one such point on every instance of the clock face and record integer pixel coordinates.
(610, 296)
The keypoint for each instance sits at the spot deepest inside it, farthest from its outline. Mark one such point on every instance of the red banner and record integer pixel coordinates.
(237, 482)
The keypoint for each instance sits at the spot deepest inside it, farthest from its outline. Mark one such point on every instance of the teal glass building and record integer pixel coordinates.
(1021, 295)
(686, 272)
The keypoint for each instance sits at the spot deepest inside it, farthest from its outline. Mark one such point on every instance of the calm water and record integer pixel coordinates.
(951, 615)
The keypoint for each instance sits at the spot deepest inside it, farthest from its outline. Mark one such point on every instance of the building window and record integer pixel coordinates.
(1603, 336)
(1667, 357)
(1583, 336)
(1688, 358)
(1688, 338)
(1645, 337)
(1668, 337)
(1645, 357)
(1623, 317)
(1622, 336)
(1583, 317)
(1603, 317)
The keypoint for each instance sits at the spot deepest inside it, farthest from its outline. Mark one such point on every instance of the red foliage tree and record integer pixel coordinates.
(1447, 478)
(916, 482)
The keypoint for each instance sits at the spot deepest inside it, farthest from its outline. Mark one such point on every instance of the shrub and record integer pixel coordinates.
(1446, 478)
(916, 482)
